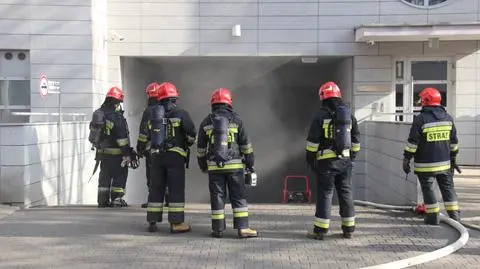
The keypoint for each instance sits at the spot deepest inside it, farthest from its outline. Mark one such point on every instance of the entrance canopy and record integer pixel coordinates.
(420, 32)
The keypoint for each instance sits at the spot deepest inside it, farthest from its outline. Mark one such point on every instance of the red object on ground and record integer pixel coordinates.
(421, 209)
(308, 192)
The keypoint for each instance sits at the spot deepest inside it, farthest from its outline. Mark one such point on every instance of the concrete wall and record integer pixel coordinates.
(29, 165)
(383, 150)
(136, 76)
(276, 98)
(287, 27)
(464, 95)
(58, 35)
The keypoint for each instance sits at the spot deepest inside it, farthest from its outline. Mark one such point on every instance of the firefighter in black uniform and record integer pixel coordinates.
(143, 144)
(171, 133)
(115, 152)
(433, 144)
(331, 157)
(222, 142)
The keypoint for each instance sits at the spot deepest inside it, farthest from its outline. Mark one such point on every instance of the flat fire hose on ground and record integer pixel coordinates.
(437, 254)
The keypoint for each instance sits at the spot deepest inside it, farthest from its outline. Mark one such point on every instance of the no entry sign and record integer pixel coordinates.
(43, 85)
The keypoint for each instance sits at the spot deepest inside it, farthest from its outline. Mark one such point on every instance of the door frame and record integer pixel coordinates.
(408, 83)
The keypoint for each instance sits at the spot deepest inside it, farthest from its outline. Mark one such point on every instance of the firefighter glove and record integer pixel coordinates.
(202, 163)
(125, 161)
(406, 166)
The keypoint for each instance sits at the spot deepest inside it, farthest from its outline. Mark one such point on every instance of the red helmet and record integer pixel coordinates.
(152, 90)
(221, 96)
(430, 97)
(166, 90)
(116, 93)
(329, 90)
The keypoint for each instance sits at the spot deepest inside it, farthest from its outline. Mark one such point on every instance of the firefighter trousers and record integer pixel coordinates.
(112, 179)
(148, 167)
(336, 176)
(447, 189)
(218, 184)
(168, 170)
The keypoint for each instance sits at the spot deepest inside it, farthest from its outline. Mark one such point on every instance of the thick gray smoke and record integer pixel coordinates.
(275, 96)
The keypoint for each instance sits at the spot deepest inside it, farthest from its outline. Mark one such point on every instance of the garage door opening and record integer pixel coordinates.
(276, 97)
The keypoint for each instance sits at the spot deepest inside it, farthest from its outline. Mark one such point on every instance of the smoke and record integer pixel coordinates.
(275, 96)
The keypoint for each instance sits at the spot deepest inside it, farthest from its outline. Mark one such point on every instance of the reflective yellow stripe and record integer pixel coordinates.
(438, 128)
(154, 209)
(411, 150)
(226, 167)
(348, 223)
(109, 124)
(451, 207)
(453, 147)
(329, 154)
(122, 142)
(355, 147)
(218, 216)
(311, 147)
(110, 151)
(176, 209)
(433, 210)
(201, 152)
(117, 190)
(247, 151)
(178, 150)
(322, 223)
(432, 169)
(142, 138)
(240, 214)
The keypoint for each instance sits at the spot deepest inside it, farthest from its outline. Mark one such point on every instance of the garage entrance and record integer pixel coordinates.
(275, 96)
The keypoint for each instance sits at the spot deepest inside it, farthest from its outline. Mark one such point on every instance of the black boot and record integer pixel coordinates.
(103, 199)
(432, 219)
(454, 214)
(144, 205)
(348, 231)
(217, 234)
(317, 233)
(152, 227)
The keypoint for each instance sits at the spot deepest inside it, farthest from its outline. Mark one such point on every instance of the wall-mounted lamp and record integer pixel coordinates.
(236, 30)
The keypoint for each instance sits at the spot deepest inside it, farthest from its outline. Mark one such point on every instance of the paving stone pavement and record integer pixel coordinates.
(88, 237)
(467, 186)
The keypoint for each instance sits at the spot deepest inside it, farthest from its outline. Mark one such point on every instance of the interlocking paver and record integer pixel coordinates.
(87, 237)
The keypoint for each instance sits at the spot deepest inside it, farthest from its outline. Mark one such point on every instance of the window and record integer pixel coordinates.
(424, 3)
(14, 97)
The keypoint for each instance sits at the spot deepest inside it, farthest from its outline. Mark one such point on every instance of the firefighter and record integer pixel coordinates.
(222, 142)
(171, 134)
(115, 152)
(432, 143)
(332, 145)
(143, 144)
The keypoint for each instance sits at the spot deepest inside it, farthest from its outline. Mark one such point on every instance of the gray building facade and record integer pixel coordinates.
(274, 54)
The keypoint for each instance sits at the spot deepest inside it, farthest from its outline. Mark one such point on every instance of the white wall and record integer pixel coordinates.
(383, 150)
(29, 165)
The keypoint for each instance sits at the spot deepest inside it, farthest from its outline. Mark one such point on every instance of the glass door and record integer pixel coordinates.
(420, 74)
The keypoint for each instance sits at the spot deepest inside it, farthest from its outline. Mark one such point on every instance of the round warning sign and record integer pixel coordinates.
(43, 85)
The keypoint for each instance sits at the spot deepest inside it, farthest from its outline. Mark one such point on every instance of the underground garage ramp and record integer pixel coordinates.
(275, 96)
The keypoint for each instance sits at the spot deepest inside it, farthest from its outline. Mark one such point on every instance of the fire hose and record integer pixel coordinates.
(437, 254)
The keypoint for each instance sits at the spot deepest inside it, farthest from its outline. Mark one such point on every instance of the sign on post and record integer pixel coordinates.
(43, 85)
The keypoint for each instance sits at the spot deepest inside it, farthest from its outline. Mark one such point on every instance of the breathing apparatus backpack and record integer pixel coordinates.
(340, 128)
(220, 143)
(159, 127)
(97, 125)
